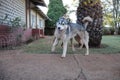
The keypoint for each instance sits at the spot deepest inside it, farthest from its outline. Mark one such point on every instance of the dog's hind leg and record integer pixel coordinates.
(86, 42)
(87, 47)
(73, 48)
(54, 44)
(64, 49)
(81, 41)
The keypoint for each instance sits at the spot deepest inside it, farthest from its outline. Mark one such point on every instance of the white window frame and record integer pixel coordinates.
(33, 21)
(40, 23)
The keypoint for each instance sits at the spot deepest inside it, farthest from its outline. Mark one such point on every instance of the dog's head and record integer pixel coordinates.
(62, 23)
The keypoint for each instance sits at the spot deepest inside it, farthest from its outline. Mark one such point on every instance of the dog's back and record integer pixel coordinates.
(79, 27)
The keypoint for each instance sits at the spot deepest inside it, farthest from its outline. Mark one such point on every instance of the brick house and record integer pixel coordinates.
(31, 16)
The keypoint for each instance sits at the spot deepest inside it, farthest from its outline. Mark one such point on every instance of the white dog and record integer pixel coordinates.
(66, 30)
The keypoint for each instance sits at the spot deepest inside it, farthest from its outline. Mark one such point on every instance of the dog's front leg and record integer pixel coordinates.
(54, 44)
(64, 49)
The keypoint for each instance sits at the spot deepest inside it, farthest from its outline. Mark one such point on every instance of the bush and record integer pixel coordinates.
(108, 31)
(112, 30)
(49, 31)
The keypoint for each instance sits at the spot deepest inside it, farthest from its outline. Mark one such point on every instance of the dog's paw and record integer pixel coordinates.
(52, 50)
(73, 50)
(86, 54)
(63, 56)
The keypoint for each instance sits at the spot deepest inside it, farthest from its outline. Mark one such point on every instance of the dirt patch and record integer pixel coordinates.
(100, 66)
(17, 65)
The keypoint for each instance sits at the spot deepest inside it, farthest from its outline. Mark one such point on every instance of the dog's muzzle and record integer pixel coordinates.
(58, 28)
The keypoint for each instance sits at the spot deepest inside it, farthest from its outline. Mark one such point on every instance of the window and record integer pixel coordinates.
(33, 21)
(40, 23)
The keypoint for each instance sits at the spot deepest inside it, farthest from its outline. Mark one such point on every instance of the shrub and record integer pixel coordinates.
(108, 31)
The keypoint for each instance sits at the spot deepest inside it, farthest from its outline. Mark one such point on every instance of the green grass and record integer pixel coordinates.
(111, 44)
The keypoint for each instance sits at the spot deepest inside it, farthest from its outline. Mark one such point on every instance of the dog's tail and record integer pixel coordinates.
(86, 20)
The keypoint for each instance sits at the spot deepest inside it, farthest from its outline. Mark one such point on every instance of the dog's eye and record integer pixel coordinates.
(59, 22)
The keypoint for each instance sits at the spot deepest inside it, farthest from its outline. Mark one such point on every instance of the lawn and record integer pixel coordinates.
(110, 44)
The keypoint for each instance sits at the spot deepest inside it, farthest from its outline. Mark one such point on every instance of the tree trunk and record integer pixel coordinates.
(93, 9)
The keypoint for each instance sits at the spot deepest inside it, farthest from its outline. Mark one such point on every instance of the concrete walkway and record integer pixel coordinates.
(15, 65)
(100, 66)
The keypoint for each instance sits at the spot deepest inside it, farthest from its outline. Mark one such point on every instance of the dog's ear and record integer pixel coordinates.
(69, 20)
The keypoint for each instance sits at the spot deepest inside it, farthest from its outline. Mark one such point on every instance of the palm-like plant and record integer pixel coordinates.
(92, 8)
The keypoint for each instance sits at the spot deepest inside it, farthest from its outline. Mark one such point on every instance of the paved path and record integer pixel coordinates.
(15, 65)
(100, 66)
